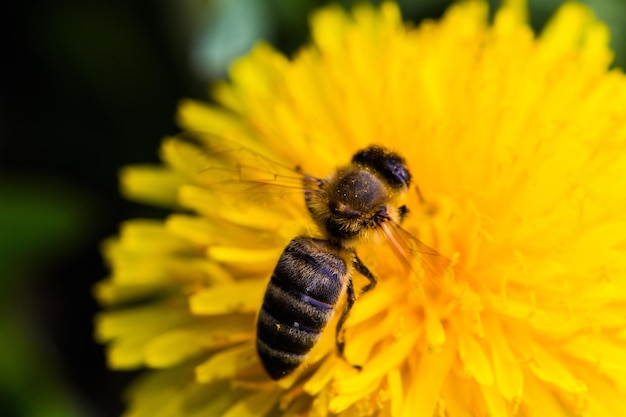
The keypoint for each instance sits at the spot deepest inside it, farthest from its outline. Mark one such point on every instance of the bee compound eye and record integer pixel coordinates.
(389, 165)
(398, 171)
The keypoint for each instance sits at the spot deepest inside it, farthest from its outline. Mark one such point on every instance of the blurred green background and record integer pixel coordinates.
(89, 86)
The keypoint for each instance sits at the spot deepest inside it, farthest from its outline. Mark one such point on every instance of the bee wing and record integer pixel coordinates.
(229, 167)
(419, 258)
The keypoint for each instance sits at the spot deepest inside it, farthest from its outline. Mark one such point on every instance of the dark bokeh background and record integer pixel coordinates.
(88, 86)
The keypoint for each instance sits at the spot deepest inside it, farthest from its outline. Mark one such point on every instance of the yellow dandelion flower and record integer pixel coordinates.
(518, 145)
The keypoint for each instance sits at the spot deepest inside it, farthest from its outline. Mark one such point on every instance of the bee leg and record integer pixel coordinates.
(363, 270)
(351, 298)
(339, 335)
(402, 213)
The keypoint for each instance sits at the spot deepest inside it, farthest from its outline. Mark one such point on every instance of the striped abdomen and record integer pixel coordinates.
(299, 301)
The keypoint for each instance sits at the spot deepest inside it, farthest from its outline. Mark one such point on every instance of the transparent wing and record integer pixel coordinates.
(429, 266)
(231, 168)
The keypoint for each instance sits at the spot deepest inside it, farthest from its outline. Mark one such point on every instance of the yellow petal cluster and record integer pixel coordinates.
(517, 142)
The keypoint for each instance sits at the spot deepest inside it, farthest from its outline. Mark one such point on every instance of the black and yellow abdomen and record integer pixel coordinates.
(299, 301)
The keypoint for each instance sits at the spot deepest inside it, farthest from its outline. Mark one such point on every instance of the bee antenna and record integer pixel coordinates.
(420, 196)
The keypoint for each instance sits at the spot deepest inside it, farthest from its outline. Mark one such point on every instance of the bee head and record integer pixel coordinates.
(390, 166)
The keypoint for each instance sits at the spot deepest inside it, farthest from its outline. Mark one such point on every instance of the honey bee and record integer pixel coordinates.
(312, 274)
